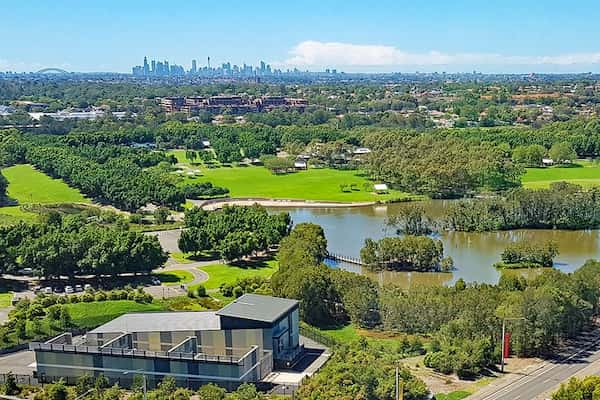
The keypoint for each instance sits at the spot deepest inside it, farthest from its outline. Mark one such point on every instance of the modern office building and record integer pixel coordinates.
(243, 342)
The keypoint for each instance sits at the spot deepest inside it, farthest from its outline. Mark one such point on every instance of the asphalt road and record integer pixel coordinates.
(168, 239)
(21, 363)
(535, 385)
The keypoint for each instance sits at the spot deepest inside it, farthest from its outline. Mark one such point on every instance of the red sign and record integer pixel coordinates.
(506, 345)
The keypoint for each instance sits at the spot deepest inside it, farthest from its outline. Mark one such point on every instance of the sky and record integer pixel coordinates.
(489, 36)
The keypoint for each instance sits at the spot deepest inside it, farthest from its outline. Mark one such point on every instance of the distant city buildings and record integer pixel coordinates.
(232, 104)
(163, 69)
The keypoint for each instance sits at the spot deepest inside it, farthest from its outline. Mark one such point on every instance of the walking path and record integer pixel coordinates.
(175, 291)
(219, 203)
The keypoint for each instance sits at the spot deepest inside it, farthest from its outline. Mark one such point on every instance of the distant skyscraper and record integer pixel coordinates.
(208, 62)
(146, 66)
(194, 67)
(153, 67)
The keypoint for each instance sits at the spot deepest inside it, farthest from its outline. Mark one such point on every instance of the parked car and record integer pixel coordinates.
(69, 289)
(47, 290)
(78, 288)
(156, 281)
(87, 287)
(25, 271)
(58, 289)
(36, 289)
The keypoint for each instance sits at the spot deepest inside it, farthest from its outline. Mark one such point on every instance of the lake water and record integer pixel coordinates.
(474, 253)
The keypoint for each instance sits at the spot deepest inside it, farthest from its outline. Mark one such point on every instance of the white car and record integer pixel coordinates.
(69, 290)
(87, 287)
(47, 290)
(78, 288)
(156, 281)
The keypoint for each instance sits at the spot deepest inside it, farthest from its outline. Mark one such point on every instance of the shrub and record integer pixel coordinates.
(201, 291)
(87, 297)
(114, 295)
(100, 296)
(237, 291)
(74, 299)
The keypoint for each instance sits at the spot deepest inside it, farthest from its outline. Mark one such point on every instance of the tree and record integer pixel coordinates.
(161, 215)
(411, 220)
(278, 165)
(530, 156)
(10, 385)
(65, 318)
(84, 383)
(562, 153)
(21, 330)
(211, 392)
(56, 391)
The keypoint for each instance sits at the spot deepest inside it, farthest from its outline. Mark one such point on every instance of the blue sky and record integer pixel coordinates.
(434, 35)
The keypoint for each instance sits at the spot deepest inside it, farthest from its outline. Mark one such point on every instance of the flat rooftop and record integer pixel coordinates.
(162, 322)
(258, 308)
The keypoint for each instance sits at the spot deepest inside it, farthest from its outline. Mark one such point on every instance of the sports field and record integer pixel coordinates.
(28, 185)
(313, 184)
(583, 173)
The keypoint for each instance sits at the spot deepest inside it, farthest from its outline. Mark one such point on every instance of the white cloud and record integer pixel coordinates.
(309, 54)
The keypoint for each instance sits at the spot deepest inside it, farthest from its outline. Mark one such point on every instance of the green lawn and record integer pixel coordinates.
(350, 333)
(175, 277)
(90, 315)
(13, 214)
(583, 173)
(458, 395)
(313, 184)
(226, 273)
(27, 185)
(5, 299)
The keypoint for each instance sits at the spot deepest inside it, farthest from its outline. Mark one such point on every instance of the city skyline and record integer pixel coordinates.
(516, 37)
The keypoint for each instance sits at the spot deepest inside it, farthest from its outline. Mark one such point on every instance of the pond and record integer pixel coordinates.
(474, 253)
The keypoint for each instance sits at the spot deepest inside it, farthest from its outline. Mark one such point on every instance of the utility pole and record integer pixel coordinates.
(503, 344)
(397, 383)
(503, 341)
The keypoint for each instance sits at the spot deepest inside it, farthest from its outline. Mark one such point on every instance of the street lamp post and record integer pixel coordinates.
(503, 341)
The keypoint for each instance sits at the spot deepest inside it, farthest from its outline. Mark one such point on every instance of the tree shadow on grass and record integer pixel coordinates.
(255, 263)
(572, 165)
(168, 277)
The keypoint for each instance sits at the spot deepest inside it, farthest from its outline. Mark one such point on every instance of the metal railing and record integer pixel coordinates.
(111, 351)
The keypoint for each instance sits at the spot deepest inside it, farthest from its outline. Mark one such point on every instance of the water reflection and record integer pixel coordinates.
(474, 253)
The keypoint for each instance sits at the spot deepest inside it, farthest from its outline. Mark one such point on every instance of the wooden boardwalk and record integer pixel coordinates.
(340, 257)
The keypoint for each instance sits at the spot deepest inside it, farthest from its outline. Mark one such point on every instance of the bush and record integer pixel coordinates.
(237, 291)
(100, 296)
(87, 297)
(201, 291)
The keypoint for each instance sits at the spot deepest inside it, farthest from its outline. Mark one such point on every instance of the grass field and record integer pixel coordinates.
(313, 184)
(226, 273)
(350, 333)
(27, 185)
(5, 299)
(583, 173)
(175, 277)
(458, 395)
(90, 315)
